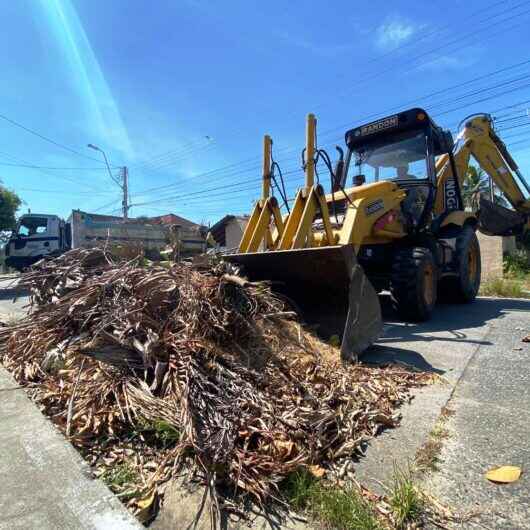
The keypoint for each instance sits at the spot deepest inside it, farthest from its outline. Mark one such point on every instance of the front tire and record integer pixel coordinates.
(464, 288)
(413, 285)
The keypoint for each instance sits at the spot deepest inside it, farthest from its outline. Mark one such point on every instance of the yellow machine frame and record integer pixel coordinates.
(296, 230)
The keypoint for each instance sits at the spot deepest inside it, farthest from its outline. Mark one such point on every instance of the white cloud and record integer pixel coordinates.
(393, 33)
(447, 62)
(314, 46)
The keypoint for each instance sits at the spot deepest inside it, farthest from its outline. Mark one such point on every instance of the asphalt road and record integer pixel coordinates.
(12, 299)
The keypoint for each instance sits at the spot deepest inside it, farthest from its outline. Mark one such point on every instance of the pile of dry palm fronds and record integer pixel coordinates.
(111, 348)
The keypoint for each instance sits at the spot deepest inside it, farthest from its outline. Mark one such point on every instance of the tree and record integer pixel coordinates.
(9, 204)
(476, 184)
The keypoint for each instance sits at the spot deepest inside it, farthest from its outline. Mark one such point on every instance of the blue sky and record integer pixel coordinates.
(182, 92)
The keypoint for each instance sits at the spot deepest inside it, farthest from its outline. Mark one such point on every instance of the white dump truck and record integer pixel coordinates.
(41, 235)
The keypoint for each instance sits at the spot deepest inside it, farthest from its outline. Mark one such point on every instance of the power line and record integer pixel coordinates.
(33, 166)
(466, 36)
(63, 192)
(187, 149)
(61, 177)
(45, 138)
(170, 161)
(107, 205)
(473, 15)
(421, 98)
(229, 189)
(468, 95)
(488, 20)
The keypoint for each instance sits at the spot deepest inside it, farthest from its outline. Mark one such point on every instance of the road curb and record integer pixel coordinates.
(45, 482)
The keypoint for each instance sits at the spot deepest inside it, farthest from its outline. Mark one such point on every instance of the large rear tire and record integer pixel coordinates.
(464, 287)
(413, 285)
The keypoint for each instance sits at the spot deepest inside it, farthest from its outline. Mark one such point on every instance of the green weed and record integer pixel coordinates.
(405, 499)
(334, 507)
(504, 288)
(344, 509)
(428, 455)
(299, 488)
(119, 476)
(162, 431)
(517, 265)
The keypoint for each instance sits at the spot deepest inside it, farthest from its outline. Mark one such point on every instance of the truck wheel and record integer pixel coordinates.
(464, 288)
(413, 285)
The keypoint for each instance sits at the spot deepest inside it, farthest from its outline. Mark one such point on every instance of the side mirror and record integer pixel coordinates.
(359, 180)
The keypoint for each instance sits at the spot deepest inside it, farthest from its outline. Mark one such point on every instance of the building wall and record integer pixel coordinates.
(234, 232)
(491, 252)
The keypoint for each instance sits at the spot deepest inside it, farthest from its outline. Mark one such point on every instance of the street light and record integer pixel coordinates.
(96, 148)
(123, 185)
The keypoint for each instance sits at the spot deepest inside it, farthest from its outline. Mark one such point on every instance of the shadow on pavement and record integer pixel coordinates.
(452, 323)
(383, 354)
(12, 293)
(453, 319)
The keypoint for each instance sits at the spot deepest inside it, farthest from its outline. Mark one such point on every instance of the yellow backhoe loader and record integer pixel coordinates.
(401, 227)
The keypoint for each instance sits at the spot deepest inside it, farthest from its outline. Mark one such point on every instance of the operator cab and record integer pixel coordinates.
(400, 148)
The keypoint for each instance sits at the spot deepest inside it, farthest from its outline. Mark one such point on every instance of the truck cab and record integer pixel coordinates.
(36, 236)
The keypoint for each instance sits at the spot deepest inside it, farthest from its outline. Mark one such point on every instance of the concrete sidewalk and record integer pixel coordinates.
(44, 482)
(490, 428)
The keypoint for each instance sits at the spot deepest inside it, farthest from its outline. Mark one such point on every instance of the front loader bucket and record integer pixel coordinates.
(329, 288)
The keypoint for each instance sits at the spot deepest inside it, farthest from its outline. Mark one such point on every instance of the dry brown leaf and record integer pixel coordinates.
(251, 397)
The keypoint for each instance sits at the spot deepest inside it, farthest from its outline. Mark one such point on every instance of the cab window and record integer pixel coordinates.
(403, 157)
(30, 226)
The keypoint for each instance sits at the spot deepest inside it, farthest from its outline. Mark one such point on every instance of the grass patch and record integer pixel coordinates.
(516, 280)
(119, 476)
(504, 288)
(299, 488)
(159, 431)
(344, 509)
(428, 455)
(338, 508)
(405, 499)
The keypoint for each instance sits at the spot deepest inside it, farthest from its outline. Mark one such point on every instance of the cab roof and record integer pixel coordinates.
(416, 118)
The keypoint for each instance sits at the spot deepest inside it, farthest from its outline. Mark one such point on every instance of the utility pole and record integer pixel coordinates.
(125, 188)
(122, 182)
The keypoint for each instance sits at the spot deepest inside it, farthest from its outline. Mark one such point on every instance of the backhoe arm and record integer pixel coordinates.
(478, 139)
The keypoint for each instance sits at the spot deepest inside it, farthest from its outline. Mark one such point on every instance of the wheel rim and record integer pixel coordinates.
(472, 264)
(428, 284)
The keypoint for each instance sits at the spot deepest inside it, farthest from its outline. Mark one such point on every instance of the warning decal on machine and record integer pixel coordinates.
(374, 207)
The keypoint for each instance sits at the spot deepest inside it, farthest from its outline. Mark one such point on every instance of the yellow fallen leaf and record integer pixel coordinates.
(504, 474)
(145, 504)
(317, 471)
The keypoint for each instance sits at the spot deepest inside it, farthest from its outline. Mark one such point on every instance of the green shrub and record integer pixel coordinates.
(517, 265)
(503, 288)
